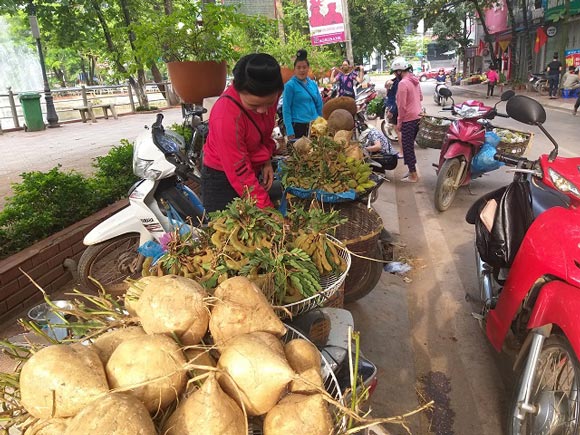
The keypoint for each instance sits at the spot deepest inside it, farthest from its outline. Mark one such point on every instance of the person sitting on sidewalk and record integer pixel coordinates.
(571, 80)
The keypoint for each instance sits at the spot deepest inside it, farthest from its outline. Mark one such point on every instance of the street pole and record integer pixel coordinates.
(349, 54)
(51, 115)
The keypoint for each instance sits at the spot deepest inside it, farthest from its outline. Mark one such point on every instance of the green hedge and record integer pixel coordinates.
(47, 202)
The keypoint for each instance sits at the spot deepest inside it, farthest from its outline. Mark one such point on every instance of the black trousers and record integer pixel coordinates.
(300, 129)
(216, 190)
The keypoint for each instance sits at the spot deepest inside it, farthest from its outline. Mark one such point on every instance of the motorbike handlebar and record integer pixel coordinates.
(510, 160)
(502, 115)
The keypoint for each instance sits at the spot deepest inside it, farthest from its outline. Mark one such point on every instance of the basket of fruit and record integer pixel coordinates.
(432, 131)
(513, 142)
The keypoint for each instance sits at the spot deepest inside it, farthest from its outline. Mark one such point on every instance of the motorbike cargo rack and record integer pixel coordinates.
(432, 131)
(515, 147)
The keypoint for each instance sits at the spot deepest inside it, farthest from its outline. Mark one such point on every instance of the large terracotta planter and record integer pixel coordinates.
(194, 81)
(287, 73)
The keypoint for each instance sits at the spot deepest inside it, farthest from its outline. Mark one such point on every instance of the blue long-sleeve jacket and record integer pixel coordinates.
(301, 103)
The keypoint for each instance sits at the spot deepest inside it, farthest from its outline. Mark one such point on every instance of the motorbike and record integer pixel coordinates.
(362, 100)
(437, 97)
(464, 139)
(539, 82)
(528, 266)
(388, 128)
(160, 199)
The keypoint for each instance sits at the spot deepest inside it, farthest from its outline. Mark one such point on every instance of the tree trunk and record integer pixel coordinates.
(514, 43)
(481, 14)
(92, 70)
(526, 37)
(166, 91)
(168, 6)
(141, 94)
(59, 74)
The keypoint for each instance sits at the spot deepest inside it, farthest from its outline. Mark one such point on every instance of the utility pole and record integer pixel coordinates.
(349, 54)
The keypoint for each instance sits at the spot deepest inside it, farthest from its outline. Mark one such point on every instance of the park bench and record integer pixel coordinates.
(88, 111)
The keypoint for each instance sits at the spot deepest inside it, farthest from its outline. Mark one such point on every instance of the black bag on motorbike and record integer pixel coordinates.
(512, 218)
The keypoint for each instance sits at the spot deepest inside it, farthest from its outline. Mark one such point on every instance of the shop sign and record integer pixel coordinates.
(551, 31)
(572, 57)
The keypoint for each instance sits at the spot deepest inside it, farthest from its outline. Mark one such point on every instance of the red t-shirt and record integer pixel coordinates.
(236, 147)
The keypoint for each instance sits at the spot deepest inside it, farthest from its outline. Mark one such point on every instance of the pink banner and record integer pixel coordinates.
(326, 19)
(496, 18)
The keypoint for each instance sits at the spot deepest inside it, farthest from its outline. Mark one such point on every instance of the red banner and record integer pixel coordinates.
(541, 39)
(326, 19)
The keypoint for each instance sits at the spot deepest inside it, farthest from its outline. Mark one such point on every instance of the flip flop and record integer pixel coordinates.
(408, 180)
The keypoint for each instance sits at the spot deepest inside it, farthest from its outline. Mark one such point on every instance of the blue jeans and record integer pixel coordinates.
(554, 81)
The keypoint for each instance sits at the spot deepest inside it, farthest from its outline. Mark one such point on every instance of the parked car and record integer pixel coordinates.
(432, 73)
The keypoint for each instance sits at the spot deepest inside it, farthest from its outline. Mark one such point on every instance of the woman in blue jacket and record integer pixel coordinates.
(301, 103)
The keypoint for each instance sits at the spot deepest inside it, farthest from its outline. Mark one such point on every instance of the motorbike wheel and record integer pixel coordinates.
(110, 263)
(555, 393)
(444, 190)
(389, 130)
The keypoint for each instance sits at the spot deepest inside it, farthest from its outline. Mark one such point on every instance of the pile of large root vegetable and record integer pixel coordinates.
(286, 256)
(181, 362)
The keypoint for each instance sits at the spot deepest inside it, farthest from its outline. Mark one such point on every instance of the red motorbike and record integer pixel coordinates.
(464, 139)
(528, 265)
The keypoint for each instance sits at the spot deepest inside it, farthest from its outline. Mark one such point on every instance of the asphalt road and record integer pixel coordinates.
(448, 356)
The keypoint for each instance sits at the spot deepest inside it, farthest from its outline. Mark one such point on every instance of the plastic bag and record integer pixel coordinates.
(483, 161)
(151, 249)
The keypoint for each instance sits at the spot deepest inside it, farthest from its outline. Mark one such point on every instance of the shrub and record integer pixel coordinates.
(47, 202)
(114, 173)
(43, 204)
(376, 106)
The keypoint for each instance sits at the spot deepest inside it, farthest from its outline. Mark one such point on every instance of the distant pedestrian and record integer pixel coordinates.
(492, 79)
(554, 69)
(409, 97)
(345, 78)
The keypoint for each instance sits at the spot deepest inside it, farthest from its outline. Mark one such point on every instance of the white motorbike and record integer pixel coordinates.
(439, 99)
(157, 202)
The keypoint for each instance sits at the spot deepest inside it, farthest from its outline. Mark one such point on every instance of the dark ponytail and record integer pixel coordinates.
(258, 74)
(301, 56)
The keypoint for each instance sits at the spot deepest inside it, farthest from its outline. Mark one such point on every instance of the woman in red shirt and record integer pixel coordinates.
(239, 147)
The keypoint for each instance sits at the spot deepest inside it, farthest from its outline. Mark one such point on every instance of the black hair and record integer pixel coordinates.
(347, 61)
(556, 55)
(301, 56)
(571, 68)
(258, 74)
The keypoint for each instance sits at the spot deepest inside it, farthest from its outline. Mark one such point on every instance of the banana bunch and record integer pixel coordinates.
(327, 168)
(322, 251)
(360, 173)
(201, 266)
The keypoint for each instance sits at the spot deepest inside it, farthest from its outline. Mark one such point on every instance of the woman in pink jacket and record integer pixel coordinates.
(409, 97)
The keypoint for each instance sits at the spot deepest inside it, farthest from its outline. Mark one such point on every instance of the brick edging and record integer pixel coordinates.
(43, 261)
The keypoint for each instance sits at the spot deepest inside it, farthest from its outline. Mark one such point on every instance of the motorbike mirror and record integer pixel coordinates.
(445, 92)
(525, 109)
(507, 95)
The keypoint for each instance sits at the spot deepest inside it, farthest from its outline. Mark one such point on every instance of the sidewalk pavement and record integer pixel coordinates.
(479, 90)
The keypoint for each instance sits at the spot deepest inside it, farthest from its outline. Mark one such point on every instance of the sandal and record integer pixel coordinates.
(409, 180)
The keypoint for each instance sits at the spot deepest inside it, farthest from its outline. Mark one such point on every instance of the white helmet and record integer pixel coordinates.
(364, 134)
(399, 63)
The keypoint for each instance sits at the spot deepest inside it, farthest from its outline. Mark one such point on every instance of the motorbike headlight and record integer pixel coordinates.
(141, 168)
(563, 184)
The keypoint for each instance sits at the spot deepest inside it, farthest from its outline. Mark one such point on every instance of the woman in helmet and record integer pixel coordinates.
(397, 67)
(440, 77)
(409, 97)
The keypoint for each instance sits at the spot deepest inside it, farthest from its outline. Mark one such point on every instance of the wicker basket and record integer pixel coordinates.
(360, 234)
(432, 131)
(515, 148)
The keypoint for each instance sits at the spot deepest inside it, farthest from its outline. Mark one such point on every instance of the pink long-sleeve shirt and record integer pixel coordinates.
(409, 97)
(236, 147)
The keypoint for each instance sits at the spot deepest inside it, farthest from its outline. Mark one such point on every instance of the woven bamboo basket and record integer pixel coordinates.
(360, 234)
(516, 148)
(432, 131)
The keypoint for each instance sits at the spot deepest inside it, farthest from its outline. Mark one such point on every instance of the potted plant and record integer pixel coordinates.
(195, 42)
(320, 59)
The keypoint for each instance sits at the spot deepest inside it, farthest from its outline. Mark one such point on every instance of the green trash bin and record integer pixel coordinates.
(30, 102)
